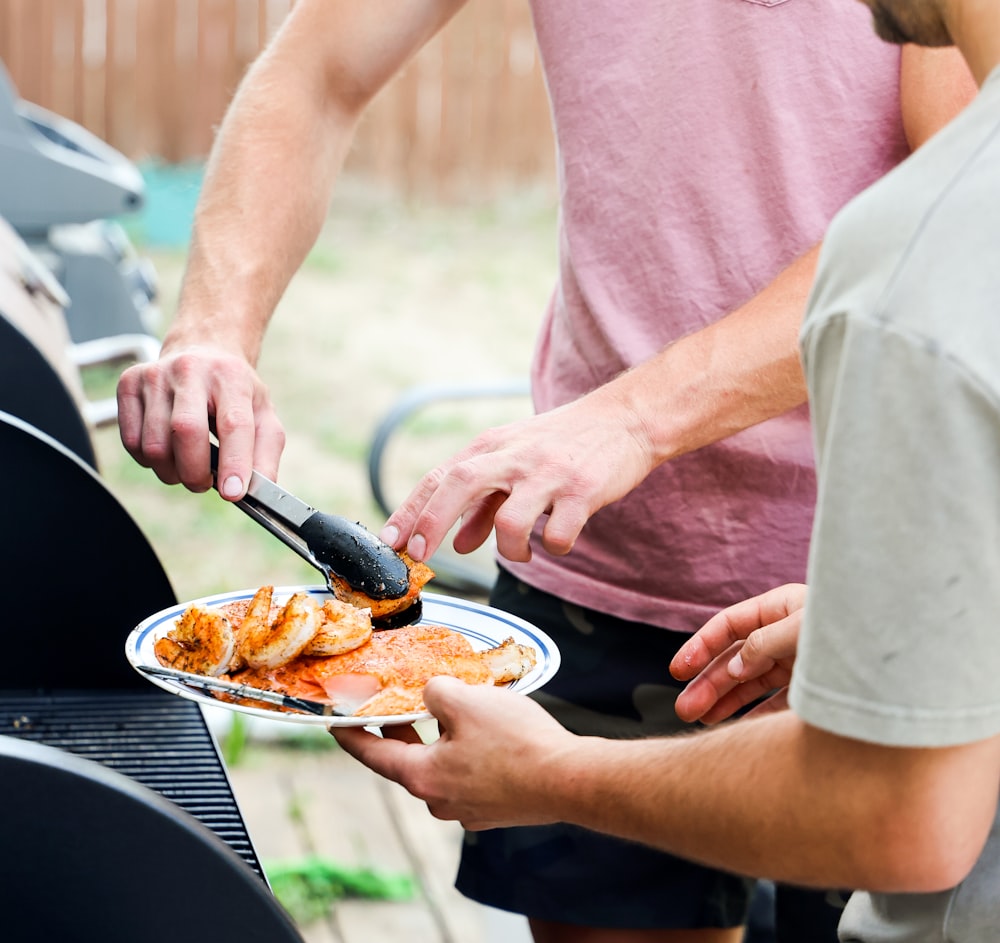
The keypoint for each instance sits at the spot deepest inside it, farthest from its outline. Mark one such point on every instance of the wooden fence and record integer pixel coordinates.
(468, 116)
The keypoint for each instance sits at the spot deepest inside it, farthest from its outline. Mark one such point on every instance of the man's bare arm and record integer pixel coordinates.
(768, 796)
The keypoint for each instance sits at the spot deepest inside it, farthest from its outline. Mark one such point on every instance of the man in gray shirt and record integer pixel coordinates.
(884, 774)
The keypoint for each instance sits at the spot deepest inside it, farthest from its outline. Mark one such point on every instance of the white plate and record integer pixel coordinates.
(483, 626)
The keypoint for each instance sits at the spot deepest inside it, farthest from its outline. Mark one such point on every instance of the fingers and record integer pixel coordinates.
(734, 624)
(715, 695)
(714, 637)
(563, 464)
(404, 733)
(269, 441)
(176, 425)
(734, 679)
(775, 642)
(740, 696)
(719, 691)
(386, 756)
(399, 754)
(740, 655)
(145, 407)
(477, 523)
(515, 518)
(566, 520)
(446, 699)
(402, 530)
(168, 408)
(504, 490)
(482, 768)
(130, 409)
(710, 687)
(250, 438)
(746, 671)
(469, 487)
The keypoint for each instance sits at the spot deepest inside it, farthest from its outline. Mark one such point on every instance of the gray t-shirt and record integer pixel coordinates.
(901, 639)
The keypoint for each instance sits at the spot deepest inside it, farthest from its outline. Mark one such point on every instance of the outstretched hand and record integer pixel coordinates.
(167, 408)
(487, 768)
(740, 655)
(566, 463)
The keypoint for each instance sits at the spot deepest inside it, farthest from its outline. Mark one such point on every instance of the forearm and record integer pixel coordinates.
(726, 377)
(279, 151)
(266, 194)
(571, 461)
(774, 797)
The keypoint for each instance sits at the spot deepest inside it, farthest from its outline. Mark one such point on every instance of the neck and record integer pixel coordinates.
(974, 25)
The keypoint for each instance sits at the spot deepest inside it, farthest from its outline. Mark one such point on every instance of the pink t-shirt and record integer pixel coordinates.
(702, 147)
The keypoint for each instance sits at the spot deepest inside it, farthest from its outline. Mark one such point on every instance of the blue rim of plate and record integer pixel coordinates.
(484, 626)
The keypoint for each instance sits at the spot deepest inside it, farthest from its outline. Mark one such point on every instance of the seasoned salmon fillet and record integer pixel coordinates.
(387, 674)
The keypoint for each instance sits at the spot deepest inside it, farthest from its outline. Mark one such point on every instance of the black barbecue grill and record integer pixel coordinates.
(90, 854)
(117, 818)
(77, 575)
(152, 737)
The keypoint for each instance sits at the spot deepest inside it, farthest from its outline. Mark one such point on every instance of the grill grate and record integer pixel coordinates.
(157, 739)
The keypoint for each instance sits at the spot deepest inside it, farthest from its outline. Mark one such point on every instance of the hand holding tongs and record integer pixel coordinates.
(340, 549)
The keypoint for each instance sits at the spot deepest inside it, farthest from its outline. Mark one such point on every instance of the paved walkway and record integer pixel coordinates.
(306, 798)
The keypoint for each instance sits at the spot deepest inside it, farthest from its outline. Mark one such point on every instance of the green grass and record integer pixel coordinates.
(309, 888)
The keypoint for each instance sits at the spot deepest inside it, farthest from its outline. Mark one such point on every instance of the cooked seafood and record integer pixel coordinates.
(387, 675)
(329, 653)
(202, 642)
(420, 575)
(263, 642)
(508, 661)
(343, 629)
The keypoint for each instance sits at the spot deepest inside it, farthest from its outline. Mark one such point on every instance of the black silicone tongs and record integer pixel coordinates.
(343, 551)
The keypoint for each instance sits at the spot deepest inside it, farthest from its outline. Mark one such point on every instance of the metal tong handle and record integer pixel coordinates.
(246, 691)
(282, 518)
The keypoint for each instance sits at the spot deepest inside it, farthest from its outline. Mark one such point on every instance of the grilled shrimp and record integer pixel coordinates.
(202, 642)
(344, 628)
(266, 643)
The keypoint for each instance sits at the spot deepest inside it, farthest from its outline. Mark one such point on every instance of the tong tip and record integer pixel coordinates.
(396, 620)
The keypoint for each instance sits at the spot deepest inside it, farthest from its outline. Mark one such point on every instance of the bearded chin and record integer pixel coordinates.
(887, 27)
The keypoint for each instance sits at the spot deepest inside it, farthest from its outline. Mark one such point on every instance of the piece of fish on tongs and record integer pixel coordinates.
(359, 568)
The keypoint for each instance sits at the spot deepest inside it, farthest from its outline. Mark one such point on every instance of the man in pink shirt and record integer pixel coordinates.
(668, 472)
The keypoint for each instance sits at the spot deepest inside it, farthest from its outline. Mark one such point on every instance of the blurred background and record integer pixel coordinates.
(467, 119)
(409, 329)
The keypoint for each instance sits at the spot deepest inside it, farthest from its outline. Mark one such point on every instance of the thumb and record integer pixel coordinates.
(443, 695)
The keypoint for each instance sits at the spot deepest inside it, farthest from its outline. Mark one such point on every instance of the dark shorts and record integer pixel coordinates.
(613, 682)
